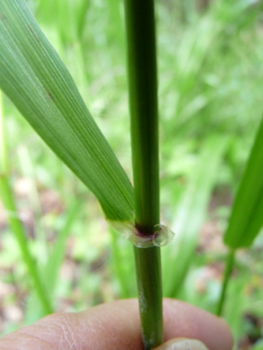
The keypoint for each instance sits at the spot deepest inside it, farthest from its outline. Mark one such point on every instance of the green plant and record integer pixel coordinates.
(35, 79)
(204, 143)
(246, 218)
(142, 71)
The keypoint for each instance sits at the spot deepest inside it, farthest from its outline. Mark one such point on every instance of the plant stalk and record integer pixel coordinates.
(142, 73)
(228, 269)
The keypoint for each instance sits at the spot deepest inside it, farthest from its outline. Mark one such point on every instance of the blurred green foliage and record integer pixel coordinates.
(210, 102)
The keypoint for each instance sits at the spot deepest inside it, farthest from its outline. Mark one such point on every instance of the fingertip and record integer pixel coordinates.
(182, 344)
(116, 326)
(184, 320)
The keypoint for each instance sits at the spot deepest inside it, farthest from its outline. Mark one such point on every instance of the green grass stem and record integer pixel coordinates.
(142, 73)
(228, 269)
(148, 272)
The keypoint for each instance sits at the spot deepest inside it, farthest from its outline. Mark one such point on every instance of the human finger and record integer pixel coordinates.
(116, 326)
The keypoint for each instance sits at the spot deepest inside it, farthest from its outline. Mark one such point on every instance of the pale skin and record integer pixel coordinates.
(116, 326)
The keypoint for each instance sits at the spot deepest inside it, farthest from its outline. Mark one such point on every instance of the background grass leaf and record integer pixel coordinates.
(50, 272)
(244, 225)
(180, 252)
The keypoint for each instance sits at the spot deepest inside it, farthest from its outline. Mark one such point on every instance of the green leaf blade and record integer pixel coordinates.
(246, 218)
(33, 76)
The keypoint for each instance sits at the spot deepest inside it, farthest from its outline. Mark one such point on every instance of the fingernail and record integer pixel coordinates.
(182, 344)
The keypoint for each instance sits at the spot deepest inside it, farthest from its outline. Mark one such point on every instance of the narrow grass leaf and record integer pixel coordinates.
(246, 218)
(191, 215)
(50, 272)
(6, 196)
(33, 76)
(58, 251)
(4, 169)
(20, 235)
